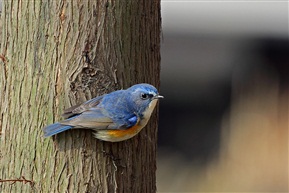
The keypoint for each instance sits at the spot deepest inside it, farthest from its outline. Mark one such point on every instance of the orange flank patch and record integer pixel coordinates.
(119, 133)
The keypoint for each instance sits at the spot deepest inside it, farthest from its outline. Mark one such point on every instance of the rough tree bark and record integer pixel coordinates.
(55, 54)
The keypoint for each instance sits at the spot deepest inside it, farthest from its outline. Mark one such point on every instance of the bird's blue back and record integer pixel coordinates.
(118, 107)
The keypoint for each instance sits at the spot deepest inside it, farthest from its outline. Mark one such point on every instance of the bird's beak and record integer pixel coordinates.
(158, 97)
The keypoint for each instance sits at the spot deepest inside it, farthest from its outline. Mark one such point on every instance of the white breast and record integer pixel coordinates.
(148, 112)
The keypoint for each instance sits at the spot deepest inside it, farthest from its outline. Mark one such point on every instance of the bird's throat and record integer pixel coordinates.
(148, 112)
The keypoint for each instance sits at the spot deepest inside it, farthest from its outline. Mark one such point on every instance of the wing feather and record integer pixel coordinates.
(77, 109)
(91, 119)
(89, 115)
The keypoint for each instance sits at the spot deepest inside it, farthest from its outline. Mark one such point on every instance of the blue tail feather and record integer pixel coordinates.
(55, 129)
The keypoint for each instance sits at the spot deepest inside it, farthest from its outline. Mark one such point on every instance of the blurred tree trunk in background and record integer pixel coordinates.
(55, 54)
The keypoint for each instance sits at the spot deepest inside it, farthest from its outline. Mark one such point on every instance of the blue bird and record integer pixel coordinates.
(114, 117)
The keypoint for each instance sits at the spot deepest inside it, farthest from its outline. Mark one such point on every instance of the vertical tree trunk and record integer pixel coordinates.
(60, 53)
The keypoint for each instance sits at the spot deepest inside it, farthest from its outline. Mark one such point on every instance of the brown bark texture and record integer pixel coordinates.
(55, 54)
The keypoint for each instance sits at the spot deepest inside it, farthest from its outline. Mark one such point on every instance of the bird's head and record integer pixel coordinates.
(144, 98)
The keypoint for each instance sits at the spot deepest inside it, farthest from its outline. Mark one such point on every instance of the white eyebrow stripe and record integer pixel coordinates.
(151, 92)
(145, 91)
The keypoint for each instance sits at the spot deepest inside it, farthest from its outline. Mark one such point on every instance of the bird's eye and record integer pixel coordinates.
(144, 96)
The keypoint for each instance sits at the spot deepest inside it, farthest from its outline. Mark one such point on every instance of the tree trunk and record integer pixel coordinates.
(55, 54)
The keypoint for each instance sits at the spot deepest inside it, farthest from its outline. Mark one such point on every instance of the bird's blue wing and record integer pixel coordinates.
(92, 119)
(103, 112)
(96, 119)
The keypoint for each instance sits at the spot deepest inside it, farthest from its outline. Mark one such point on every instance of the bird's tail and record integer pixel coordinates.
(55, 129)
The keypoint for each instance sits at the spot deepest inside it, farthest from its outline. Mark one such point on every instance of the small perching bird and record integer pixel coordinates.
(114, 117)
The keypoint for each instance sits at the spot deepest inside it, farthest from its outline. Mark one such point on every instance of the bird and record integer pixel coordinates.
(114, 117)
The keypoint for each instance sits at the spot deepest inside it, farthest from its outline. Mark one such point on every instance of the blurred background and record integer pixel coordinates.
(224, 74)
(224, 120)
